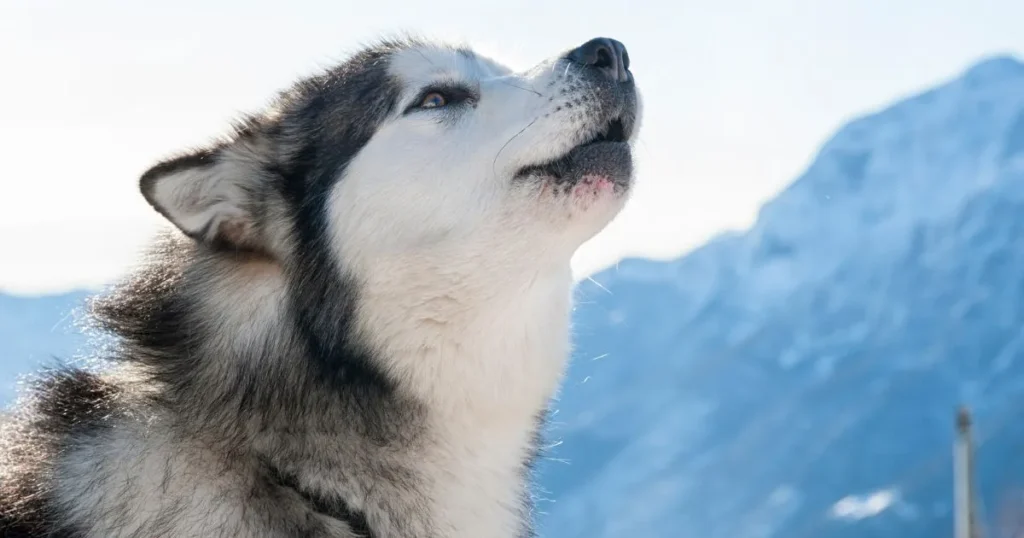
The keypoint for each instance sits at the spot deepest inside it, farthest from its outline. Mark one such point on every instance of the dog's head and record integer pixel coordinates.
(412, 147)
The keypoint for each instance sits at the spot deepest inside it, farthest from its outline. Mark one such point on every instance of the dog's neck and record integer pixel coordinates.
(466, 334)
(484, 346)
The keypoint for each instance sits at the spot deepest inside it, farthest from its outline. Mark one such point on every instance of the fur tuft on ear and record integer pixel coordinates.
(211, 195)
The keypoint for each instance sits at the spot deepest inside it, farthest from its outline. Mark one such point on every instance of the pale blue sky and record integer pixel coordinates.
(739, 94)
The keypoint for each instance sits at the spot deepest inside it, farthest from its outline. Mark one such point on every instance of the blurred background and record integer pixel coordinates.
(824, 256)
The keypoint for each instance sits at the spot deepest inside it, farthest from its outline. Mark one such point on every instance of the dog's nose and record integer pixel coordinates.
(606, 55)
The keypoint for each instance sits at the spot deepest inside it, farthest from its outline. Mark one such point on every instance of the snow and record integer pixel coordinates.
(864, 506)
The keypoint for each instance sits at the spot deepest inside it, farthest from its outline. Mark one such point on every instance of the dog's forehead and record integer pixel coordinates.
(422, 64)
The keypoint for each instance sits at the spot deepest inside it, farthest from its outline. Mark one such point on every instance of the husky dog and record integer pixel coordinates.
(358, 319)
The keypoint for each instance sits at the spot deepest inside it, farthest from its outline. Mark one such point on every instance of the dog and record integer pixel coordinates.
(358, 319)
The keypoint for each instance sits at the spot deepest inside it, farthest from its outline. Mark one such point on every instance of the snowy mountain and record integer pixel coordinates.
(798, 379)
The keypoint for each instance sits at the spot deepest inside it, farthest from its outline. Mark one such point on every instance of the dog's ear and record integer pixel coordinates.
(214, 195)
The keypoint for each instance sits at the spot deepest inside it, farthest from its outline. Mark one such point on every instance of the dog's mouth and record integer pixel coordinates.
(606, 154)
(614, 132)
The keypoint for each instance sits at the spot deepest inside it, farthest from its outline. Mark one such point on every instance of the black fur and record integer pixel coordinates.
(305, 182)
(336, 508)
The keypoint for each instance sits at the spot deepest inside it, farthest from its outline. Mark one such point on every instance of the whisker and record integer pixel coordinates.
(531, 90)
(494, 164)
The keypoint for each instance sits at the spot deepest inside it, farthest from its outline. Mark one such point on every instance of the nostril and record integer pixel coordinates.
(604, 58)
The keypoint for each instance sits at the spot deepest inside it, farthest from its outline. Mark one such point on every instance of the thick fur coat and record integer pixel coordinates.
(357, 320)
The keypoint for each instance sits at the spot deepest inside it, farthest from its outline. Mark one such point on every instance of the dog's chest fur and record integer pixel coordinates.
(486, 359)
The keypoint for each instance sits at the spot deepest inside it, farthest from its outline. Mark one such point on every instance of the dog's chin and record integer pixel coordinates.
(586, 173)
(574, 197)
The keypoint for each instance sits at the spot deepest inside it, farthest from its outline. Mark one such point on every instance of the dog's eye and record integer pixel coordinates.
(442, 97)
(433, 100)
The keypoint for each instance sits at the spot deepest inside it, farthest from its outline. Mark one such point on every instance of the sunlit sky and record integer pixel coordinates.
(739, 95)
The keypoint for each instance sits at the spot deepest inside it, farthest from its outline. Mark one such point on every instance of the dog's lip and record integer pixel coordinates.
(615, 131)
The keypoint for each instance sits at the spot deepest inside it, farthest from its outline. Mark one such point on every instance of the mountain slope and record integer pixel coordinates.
(799, 379)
